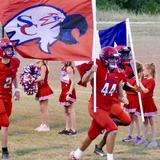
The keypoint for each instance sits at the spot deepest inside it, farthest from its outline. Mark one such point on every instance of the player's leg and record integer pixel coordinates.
(4, 129)
(93, 132)
(104, 120)
(119, 113)
(4, 141)
(99, 147)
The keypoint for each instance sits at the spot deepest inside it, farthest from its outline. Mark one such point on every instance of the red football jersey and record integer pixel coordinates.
(82, 70)
(107, 85)
(128, 71)
(7, 75)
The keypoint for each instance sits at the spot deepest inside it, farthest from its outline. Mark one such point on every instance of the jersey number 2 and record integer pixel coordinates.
(8, 82)
(106, 90)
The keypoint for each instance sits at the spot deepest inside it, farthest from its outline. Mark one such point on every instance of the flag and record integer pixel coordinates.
(115, 35)
(49, 29)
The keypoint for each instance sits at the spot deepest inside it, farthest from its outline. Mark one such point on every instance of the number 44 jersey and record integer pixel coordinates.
(7, 75)
(107, 86)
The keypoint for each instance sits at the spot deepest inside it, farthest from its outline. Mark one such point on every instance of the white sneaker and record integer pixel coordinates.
(36, 129)
(72, 156)
(43, 128)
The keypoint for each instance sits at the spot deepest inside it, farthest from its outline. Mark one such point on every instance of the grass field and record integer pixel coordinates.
(26, 144)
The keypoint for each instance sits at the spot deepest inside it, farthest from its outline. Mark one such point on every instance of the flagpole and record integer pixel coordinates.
(93, 52)
(129, 35)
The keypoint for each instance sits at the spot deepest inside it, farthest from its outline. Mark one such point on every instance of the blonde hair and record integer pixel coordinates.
(139, 67)
(152, 68)
(69, 63)
(45, 62)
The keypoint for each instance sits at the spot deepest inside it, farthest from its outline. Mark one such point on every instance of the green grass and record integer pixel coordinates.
(26, 144)
(119, 15)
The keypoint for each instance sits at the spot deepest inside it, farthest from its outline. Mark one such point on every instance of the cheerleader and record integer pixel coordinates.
(43, 94)
(147, 86)
(68, 97)
(131, 108)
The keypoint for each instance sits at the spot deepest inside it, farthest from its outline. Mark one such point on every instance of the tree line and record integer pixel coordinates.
(136, 6)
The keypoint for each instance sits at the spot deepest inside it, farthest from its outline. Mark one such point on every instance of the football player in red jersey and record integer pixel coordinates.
(124, 66)
(8, 69)
(125, 59)
(109, 87)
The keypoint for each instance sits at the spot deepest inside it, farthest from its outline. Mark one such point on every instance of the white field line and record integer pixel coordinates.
(140, 23)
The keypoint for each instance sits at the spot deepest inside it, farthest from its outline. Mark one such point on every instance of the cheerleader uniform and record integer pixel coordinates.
(149, 107)
(44, 90)
(65, 86)
(132, 97)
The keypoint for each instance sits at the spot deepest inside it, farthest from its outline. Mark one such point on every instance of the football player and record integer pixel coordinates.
(109, 87)
(8, 70)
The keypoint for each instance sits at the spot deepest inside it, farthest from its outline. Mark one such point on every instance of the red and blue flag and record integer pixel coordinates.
(49, 29)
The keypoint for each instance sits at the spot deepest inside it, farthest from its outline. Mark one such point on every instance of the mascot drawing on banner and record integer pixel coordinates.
(46, 25)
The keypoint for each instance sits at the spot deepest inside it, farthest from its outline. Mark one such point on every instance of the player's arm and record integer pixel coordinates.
(89, 74)
(42, 76)
(72, 78)
(128, 87)
(122, 94)
(17, 92)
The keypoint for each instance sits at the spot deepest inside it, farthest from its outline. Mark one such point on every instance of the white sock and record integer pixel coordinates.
(109, 156)
(78, 153)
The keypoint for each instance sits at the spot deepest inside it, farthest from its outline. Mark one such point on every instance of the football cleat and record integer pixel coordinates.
(73, 156)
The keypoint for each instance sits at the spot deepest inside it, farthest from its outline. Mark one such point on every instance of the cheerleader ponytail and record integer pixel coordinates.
(152, 69)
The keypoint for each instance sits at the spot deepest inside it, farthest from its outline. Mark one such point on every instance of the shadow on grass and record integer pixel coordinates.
(22, 152)
(61, 126)
(57, 126)
(83, 130)
(19, 118)
(17, 133)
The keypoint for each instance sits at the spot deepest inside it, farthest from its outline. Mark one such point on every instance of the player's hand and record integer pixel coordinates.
(68, 97)
(17, 95)
(124, 100)
(93, 68)
(137, 88)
